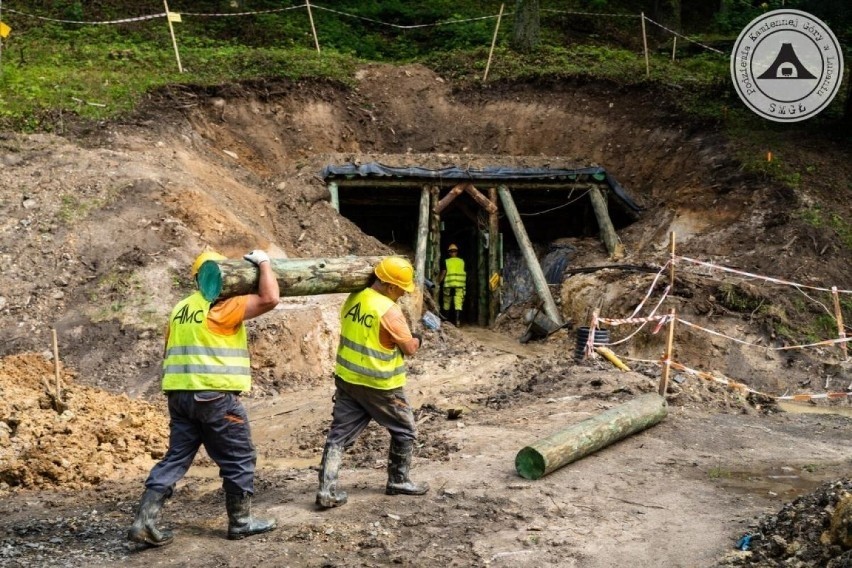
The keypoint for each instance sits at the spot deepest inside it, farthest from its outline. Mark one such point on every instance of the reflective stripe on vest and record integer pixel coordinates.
(455, 277)
(197, 358)
(361, 358)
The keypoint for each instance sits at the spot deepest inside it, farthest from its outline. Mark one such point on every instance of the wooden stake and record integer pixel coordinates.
(838, 315)
(645, 44)
(172, 32)
(493, 43)
(667, 358)
(313, 28)
(674, 48)
(56, 367)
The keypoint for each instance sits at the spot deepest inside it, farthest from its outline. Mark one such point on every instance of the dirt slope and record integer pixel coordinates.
(102, 222)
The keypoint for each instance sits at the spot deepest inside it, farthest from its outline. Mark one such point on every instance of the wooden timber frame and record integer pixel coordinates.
(427, 260)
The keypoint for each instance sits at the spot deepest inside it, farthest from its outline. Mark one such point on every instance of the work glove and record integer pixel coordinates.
(419, 338)
(256, 257)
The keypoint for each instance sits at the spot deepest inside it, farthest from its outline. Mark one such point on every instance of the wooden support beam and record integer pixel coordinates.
(296, 276)
(493, 256)
(481, 279)
(420, 253)
(577, 441)
(434, 236)
(479, 198)
(447, 199)
(607, 230)
(529, 254)
(334, 196)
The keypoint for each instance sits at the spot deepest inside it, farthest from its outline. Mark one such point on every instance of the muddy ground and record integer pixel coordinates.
(102, 220)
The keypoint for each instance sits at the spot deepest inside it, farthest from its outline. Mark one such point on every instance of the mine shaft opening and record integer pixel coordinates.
(473, 214)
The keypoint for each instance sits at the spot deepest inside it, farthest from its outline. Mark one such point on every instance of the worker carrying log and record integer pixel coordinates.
(370, 377)
(454, 280)
(205, 369)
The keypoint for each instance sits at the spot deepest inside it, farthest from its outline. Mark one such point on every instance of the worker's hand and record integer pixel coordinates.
(256, 257)
(418, 337)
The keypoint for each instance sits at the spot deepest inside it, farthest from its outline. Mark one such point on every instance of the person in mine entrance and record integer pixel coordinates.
(453, 278)
(369, 378)
(206, 367)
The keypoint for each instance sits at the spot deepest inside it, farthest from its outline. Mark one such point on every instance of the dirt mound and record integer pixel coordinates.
(98, 436)
(810, 531)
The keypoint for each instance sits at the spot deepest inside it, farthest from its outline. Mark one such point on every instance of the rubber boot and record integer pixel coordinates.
(328, 495)
(144, 528)
(240, 521)
(399, 464)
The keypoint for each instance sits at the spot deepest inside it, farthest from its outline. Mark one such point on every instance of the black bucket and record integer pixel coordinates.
(601, 338)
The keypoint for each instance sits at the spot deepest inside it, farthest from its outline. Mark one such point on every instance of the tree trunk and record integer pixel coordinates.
(578, 441)
(296, 276)
(526, 33)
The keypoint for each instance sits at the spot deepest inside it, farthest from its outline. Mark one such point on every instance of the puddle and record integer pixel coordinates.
(784, 482)
(795, 408)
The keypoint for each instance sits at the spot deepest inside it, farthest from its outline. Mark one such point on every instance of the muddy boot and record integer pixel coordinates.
(240, 521)
(144, 528)
(399, 464)
(328, 495)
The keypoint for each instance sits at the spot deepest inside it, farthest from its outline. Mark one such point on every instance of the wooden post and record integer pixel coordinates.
(482, 279)
(435, 235)
(529, 254)
(314, 29)
(334, 193)
(608, 234)
(296, 276)
(493, 43)
(56, 367)
(420, 252)
(549, 454)
(667, 358)
(838, 315)
(493, 257)
(1, 41)
(674, 48)
(645, 44)
(672, 263)
(172, 32)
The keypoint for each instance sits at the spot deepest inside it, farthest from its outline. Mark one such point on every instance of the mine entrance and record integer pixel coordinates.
(509, 224)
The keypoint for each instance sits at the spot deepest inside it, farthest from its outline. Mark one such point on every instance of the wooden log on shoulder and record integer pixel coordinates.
(296, 276)
(578, 441)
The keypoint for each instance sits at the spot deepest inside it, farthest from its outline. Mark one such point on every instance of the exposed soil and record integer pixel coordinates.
(102, 221)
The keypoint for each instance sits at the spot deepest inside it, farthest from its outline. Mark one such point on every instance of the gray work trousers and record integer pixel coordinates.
(219, 421)
(356, 405)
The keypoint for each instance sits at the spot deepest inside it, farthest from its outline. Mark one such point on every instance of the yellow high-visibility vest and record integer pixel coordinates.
(197, 358)
(455, 277)
(361, 358)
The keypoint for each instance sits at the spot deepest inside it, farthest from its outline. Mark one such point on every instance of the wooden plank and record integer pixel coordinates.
(549, 454)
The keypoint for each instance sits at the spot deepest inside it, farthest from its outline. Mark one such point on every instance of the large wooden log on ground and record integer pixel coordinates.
(296, 276)
(578, 441)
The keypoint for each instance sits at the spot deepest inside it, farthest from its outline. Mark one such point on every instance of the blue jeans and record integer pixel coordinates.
(219, 421)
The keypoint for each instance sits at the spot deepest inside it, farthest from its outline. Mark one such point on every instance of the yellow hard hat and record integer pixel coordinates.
(204, 257)
(397, 271)
(453, 247)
